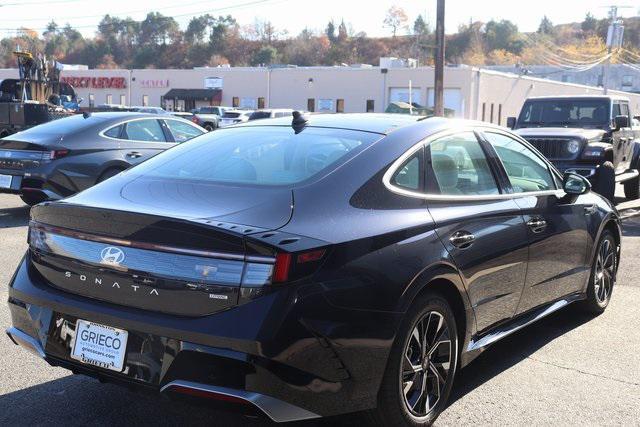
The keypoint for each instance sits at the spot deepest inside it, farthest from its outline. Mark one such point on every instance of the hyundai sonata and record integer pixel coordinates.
(314, 267)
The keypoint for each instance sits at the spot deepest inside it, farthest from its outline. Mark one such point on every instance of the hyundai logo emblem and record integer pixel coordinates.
(112, 255)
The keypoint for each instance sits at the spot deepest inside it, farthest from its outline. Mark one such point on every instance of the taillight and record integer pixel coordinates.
(284, 267)
(56, 154)
(281, 268)
(195, 120)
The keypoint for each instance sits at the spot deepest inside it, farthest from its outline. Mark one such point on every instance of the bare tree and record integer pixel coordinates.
(395, 19)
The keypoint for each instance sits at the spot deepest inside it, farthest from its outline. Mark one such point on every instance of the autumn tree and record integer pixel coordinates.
(396, 19)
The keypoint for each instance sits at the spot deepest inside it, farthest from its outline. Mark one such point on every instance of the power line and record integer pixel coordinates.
(220, 9)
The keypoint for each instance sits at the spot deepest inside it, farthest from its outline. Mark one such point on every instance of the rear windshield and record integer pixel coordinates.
(258, 155)
(230, 115)
(260, 115)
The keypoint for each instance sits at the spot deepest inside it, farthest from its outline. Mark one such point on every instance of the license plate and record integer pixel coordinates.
(5, 181)
(99, 345)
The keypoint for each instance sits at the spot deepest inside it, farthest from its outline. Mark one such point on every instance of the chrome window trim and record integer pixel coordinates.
(391, 171)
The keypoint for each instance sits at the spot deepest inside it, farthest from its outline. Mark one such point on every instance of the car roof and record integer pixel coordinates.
(565, 97)
(116, 115)
(369, 122)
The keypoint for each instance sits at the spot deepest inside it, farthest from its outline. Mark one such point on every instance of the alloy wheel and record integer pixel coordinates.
(604, 272)
(426, 364)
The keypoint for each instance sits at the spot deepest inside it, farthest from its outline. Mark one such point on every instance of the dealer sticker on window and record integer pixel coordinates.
(100, 345)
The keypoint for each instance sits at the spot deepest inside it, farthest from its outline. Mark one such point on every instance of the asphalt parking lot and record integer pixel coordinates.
(568, 369)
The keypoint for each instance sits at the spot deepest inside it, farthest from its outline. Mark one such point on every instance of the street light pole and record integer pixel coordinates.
(438, 95)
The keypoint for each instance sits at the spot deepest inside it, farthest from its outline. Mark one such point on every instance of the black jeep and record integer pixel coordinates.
(591, 135)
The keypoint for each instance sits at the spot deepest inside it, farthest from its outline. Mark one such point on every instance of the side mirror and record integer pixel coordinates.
(621, 122)
(572, 183)
(511, 122)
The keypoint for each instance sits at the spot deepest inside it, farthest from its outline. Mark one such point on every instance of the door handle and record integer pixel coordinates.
(134, 154)
(462, 239)
(537, 225)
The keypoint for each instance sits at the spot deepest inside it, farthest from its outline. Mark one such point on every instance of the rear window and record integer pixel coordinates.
(258, 155)
(260, 115)
(231, 115)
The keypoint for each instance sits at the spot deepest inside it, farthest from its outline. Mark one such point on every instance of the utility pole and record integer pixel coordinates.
(438, 87)
(614, 40)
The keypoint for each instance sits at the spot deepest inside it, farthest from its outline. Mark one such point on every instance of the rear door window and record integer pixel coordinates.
(458, 166)
(148, 130)
(114, 132)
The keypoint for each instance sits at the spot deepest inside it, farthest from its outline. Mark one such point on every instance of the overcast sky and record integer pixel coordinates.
(295, 15)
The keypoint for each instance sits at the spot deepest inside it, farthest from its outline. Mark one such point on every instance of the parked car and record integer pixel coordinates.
(233, 117)
(209, 117)
(60, 158)
(313, 267)
(187, 116)
(271, 113)
(590, 135)
(149, 110)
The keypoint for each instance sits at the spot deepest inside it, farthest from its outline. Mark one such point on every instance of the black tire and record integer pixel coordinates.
(108, 174)
(32, 199)
(209, 127)
(632, 189)
(394, 406)
(603, 275)
(605, 181)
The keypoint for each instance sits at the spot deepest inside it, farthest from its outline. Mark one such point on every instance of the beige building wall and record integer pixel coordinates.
(470, 92)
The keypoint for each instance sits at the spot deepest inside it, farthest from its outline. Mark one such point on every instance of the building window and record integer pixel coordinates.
(484, 110)
(370, 106)
(109, 99)
(145, 100)
(260, 103)
(311, 105)
(627, 81)
(500, 114)
(339, 105)
(491, 114)
(92, 100)
(123, 100)
(235, 102)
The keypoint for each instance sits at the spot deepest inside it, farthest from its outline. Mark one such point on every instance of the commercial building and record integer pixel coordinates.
(621, 76)
(470, 92)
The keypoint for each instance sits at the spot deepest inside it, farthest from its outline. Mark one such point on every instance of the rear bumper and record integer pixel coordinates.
(289, 354)
(32, 182)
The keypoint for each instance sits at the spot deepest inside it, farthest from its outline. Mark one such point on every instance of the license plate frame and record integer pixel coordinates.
(6, 181)
(99, 345)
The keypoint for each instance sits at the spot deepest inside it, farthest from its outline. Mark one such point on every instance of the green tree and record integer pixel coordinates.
(331, 31)
(503, 35)
(590, 23)
(265, 56)
(546, 26)
(420, 26)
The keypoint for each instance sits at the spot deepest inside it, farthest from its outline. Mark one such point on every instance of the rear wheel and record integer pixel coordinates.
(603, 275)
(605, 181)
(421, 367)
(632, 189)
(209, 127)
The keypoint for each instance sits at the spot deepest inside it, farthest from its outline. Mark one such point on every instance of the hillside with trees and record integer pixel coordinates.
(159, 42)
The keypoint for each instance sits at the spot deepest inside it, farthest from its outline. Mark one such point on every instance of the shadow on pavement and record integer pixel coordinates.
(14, 217)
(512, 350)
(631, 227)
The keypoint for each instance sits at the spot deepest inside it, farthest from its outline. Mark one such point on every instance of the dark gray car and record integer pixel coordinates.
(60, 158)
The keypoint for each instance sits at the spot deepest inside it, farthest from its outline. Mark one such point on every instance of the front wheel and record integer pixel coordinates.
(421, 367)
(603, 275)
(605, 181)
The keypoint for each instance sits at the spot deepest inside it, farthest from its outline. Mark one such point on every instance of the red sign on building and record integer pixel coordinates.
(96, 82)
